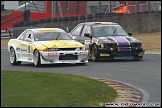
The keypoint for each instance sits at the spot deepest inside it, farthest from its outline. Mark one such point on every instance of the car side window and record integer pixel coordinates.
(86, 29)
(22, 36)
(29, 34)
(77, 30)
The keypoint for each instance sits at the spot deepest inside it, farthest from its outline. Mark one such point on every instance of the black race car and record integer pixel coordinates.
(107, 41)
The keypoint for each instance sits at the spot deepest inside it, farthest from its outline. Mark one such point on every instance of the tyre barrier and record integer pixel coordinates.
(41, 21)
(26, 23)
(88, 16)
(54, 20)
(15, 24)
(98, 15)
(75, 17)
(59, 19)
(71, 18)
(34, 22)
(48, 20)
(82, 17)
(21, 24)
(65, 19)
(95, 15)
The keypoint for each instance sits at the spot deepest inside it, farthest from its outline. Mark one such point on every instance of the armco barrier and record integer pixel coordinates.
(136, 23)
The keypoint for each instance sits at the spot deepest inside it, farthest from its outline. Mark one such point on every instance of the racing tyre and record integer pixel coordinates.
(94, 53)
(36, 58)
(13, 59)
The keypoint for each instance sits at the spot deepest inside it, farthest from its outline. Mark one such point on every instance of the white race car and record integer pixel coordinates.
(46, 46)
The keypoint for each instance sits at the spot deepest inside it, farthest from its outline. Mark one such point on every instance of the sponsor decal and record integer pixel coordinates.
(30, 59)
(104, 54)
(83, 53)
(102, 45)
(102, 37)
(64, 43)
(23, 50)
(17, 48)
(52, 54)
(29, 49)
(87, 41)
(140, 54)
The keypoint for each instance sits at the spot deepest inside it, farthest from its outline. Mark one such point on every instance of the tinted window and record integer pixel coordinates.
(77, 30)
(22, 35)
(86, 29)
(45, 36)
(108, 30)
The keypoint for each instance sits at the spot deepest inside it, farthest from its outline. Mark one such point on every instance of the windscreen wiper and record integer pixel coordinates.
(114, 31)
(57, 36)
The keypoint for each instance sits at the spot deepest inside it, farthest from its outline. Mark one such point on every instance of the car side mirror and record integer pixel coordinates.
(130, 34)
(67, 30)
(28, 40)
(87, 35)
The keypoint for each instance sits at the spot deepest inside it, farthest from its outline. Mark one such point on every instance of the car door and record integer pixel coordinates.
(75, 33)
(26, 46)
(86, 40)
(82, 38)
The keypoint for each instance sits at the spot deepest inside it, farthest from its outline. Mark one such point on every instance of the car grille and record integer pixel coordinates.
(123, 53)
(68, 57)
(67, 49)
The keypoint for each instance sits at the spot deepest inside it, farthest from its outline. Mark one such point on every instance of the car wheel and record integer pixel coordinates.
(13, 59)
(94, 53)
(36, 58)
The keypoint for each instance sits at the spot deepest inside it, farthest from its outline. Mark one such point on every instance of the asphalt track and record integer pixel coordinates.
(144, 75)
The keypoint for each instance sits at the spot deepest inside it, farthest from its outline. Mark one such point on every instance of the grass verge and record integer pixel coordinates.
(35, 89)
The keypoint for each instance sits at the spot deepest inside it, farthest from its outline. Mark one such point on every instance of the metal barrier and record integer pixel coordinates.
(5, 35)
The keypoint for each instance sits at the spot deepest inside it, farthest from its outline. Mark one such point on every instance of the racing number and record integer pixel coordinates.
(29, 49)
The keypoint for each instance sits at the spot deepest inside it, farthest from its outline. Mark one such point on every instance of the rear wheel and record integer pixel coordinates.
(13, 59)
(36, 58)
(94, 53)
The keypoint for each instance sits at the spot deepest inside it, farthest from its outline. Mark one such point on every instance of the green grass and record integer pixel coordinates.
(45, 89)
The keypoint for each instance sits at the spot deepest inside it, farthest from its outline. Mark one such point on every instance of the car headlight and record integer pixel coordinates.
(81, 48)
(51, 49)
(102, 45)
(108, 45)
(138, 44)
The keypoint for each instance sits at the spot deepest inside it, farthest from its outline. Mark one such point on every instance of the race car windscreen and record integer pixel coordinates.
(46, 36)
(108, 30)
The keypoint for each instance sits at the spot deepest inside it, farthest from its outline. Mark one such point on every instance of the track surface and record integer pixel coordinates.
(144, 75)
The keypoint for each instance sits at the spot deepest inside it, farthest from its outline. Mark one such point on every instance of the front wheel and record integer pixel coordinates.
(36, 58)
(13, 59)
(94, 53)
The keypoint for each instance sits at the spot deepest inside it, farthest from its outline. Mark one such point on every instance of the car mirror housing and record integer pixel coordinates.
(130, 34)
(87, 35)
(28, 40)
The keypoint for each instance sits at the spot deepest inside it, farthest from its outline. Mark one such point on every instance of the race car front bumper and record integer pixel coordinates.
(114, 54)
(53, 57)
